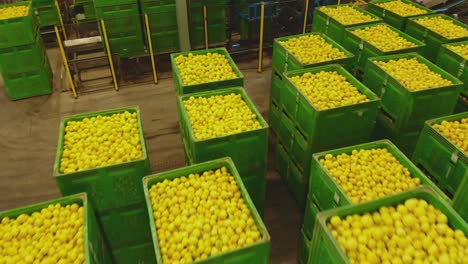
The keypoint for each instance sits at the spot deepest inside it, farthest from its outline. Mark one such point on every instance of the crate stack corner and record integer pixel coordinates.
(24, 63)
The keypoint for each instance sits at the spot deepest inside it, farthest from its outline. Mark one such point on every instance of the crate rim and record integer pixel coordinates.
(374, 2)
(235, 90)
(59, 152)
(80, 198)
(223, 51)
(343, 72)
(449, 118)
(419, 44)
(456, 22)
(327, 39)
(455, 81)
(324, 216)
(227, 162)
(361, 10)
(393, 149)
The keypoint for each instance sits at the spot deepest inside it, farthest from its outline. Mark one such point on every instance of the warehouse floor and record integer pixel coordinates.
(29, 133)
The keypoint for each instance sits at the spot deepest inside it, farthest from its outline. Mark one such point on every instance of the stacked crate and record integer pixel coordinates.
(302, 129)
(123, 26)
(394, 17)
(332, 27)
(216, 22)
(23, 60)
(363, 50)
(116, 194)
(433, 40)
(257, 252)
(445, 161)
(163, 24)
(404, 111)
(328, 247)
(93, 247)
(248, 149)
(46, 12)
(326, 193)
(454, 63)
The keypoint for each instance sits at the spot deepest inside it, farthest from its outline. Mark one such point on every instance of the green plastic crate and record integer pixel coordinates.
(285, 131)
(392, 18)
(108, 187)
(24, 58)
(454, 63)
(185, 89)
(310, 217)
(274, 117)
(329, 194)
(304, 248)
(284, 61)
(326, 248)
(447, 163)
(404, 140)
(248, 149)
(410, 109)
(215, 13)
(47, 15)
(143, 253)
(107, 3)
(29, 84)
(128, 46)
(331, 27)
(121, 20)
(257, 253)
(19, 30)
(165, 41)
(134, 218)
(94, 246)
(216, 35)
(161, 17)
(364, 50)
(276, 84)
(432, 39)
(323, 129)
(281, 161)
(295, 180)
(40, 3)
(256, 187)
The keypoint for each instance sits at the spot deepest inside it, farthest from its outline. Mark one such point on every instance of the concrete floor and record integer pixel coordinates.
(29, 132)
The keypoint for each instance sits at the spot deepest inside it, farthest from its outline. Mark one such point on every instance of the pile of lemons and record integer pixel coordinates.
(311, 49)
(204, 68)
(456, 132)
(368, 174)
(443, 27)
(413, 74)
(461, 50)
(13, 11)
(199, 216)
(220, 115)
(328, 89)
(401, 8)
(383, 38)
(411, 232)
(347, 15)
(100, 141)
(52, 235)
